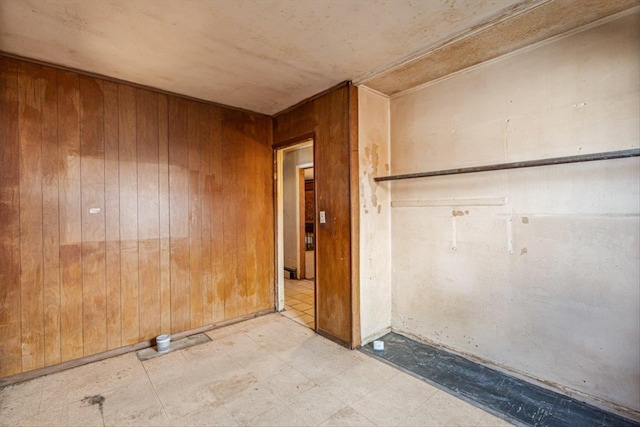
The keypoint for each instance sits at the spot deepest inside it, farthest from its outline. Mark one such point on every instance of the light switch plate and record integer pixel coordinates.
(323, 217)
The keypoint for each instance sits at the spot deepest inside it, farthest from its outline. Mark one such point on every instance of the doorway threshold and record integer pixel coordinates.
(504, 396)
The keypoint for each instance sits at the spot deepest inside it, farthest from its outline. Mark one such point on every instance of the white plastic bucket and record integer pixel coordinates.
(162, 343)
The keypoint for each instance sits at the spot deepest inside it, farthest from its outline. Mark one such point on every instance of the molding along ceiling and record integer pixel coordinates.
(266, 55)
(506, 34)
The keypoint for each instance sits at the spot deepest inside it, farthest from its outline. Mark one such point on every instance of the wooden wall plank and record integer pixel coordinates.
(129, 261)
(50, 218)
(163, 191)
(10, 307)
(94, 286)
(148, 213)
(333, 238)
(234, 306)
(112, 215)
(194, 135)
(217, 217)
(206, 183)
(265, 203)
(70, 215)
(251, 217)
(179, 214)
(30, 93)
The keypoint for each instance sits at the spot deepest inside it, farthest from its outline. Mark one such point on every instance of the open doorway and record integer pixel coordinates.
(296, 233)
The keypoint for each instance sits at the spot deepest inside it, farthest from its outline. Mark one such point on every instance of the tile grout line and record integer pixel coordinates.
(153, 387)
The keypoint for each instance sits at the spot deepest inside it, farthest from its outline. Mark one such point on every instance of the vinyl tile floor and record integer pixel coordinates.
(299, 301)
(267, 371)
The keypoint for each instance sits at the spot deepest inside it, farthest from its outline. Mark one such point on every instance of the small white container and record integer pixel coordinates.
(378, 345)
(162, 343)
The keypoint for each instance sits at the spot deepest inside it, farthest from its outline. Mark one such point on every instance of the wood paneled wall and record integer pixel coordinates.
(124, 213)
(332, 120)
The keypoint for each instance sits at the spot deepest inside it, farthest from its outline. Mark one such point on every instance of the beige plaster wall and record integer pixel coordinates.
(375, 257)
(535, 270)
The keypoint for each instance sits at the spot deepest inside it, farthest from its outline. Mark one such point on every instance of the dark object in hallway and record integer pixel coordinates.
(512, 399)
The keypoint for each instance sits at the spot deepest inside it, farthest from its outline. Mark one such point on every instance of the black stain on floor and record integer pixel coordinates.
(507, 397)
(97, 399)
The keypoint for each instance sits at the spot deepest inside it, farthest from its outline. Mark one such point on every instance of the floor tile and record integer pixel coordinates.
(269, 370)
(389, 404)
(210, 415)
(347, 417)
(315, 405)
(443, 409)
(278, 415)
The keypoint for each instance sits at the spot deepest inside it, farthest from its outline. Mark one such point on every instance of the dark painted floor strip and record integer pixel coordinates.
(510, 398)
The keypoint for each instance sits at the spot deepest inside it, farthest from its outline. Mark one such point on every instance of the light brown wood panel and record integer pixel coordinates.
(94, 286)
(124, 213)
(148, 212)
(265, 205)
(251, 219)
(206, 202)
(179, 214)
(217, 216)
(240, 200)
(129, 260)
(30, 95)
(234, 305)
(50, 218)
(163, 192)
(194, 135)
(70, 215)
(112, 215)
(10, 308)
(327, 118)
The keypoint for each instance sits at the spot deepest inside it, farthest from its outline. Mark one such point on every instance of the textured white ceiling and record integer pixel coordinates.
(258, 55)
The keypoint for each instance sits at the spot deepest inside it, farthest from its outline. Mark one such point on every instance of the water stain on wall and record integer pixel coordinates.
(373, 160)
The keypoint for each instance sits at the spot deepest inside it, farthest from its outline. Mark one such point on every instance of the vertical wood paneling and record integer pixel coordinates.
(94, 286)
(10, 308)
(264, 203)
(128, 168)
(206, 186)
(327, 118)
(124, 213)
(112, 214)
(217, 217)
(334, 237)
(148, 213)
(179, 214)
(163, 191)
(70, 215)
(251, 219)
(233, 306)
(50, 218)
(30, 95)
(194, 135)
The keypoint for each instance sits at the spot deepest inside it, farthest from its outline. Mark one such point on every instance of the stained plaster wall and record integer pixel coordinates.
(535, 270)
(375, 210)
